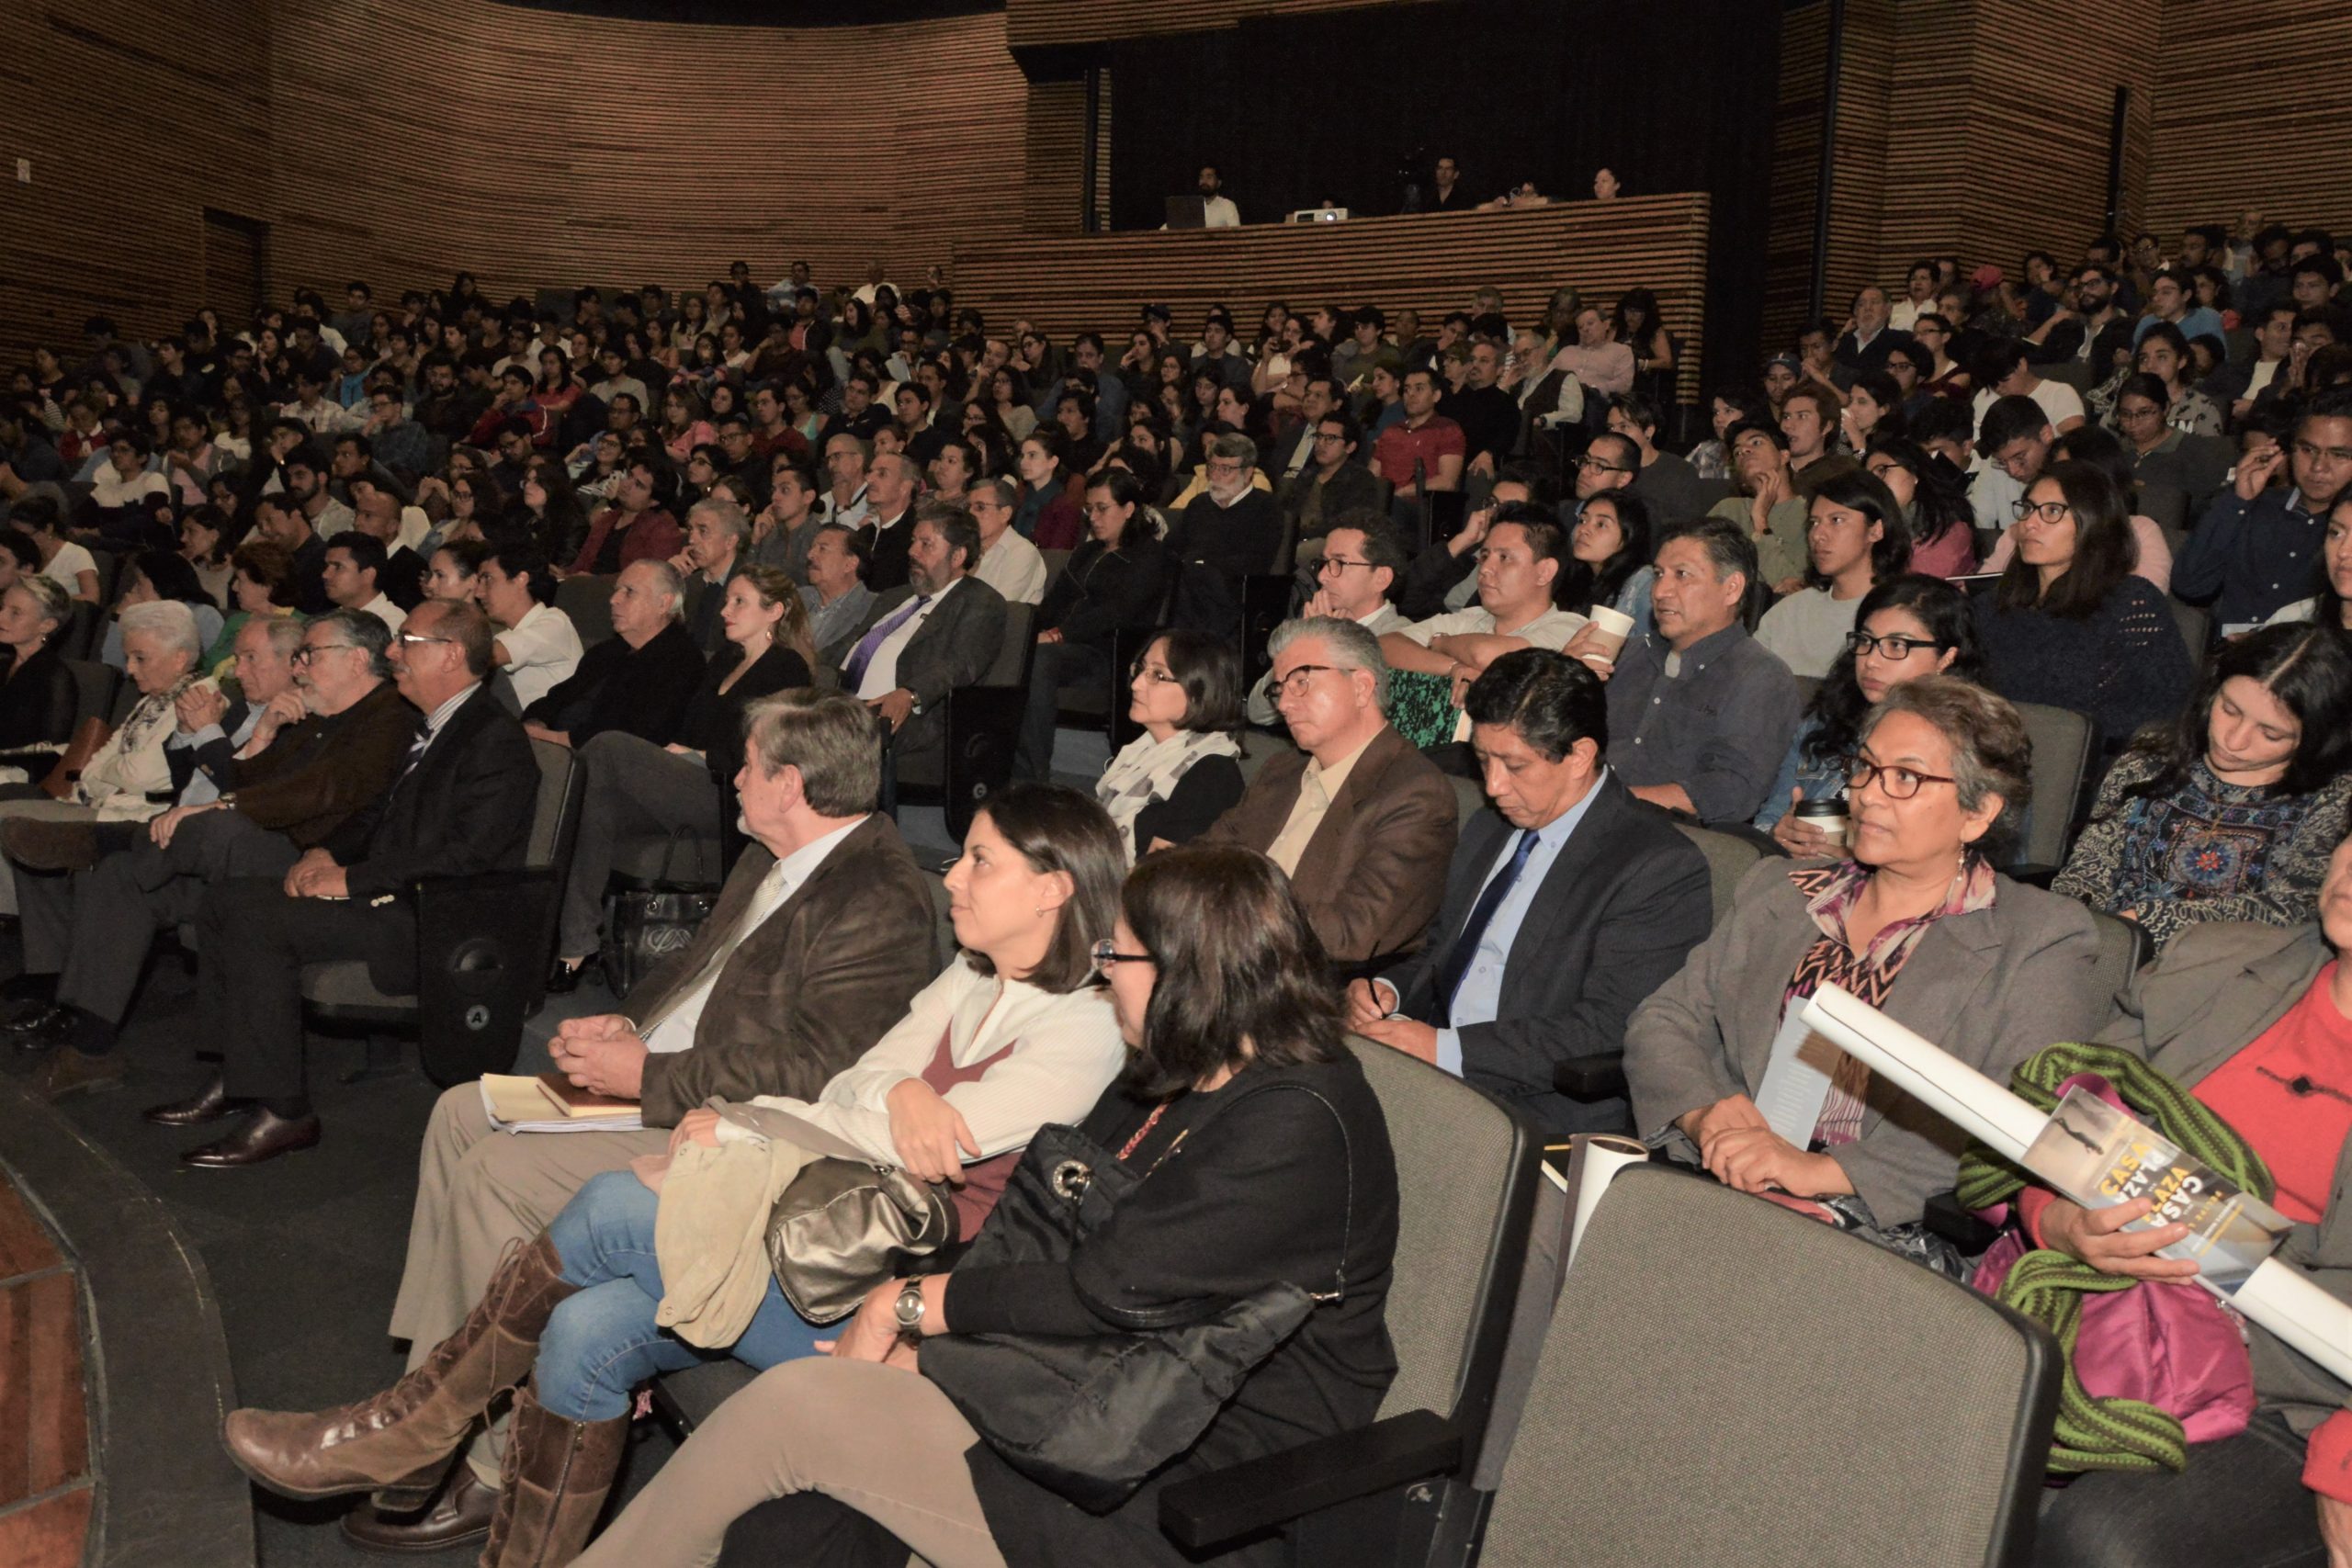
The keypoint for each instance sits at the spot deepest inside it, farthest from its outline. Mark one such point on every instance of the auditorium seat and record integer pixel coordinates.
(2195, 628)
(1682, 1396)
(983, 728)
(2064, 744)
(483, 946)
(587, 602)
(96, 687)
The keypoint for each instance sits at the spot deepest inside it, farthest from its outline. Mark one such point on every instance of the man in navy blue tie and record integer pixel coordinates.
(1569, 903)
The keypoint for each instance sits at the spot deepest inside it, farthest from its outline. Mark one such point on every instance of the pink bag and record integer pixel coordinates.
(2165, 1342)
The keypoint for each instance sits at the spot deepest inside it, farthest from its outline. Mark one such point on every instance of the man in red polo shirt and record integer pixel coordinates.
(1424, 437)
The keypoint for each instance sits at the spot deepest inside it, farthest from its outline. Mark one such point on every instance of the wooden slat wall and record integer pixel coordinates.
(136, 115)
(2249, 113)
(1431, 263)
(1796, 151)
(1056, 156)
(1035, 23)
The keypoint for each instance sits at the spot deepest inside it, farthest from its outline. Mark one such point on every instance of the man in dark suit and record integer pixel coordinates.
(891, 481)
(822, 936)
(1362, 822)
(1863, 345)
(461, 804)
(1332, 482)
(1231, 530)
(320, 749)
(916, 646)
(1570, 901)
(639, 679)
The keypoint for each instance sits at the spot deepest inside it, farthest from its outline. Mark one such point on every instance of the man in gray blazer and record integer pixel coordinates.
(1569, 903)
(915, 647)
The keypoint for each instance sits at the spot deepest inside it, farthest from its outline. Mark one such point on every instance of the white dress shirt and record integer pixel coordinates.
(1013, 567)
(542, 650)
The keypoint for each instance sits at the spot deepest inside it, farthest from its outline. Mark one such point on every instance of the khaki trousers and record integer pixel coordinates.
(477, 1190)
(885, 1441)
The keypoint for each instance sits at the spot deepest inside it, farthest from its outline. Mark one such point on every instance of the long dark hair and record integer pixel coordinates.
(1939, 498)
(1839, 707)
(2307, 667)
(1239, 966)
(1056, 828)
(1856, 491)
(1582, 584)
(2105, 552)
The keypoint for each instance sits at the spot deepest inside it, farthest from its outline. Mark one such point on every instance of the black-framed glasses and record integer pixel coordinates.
(413, 637)
(1900, 783)
(1338, 563)
(1106, 953)
(1294, 683)
(1898, 648)
(2048, 510)
(310, 651)
(1595, 466)
(1157, 675)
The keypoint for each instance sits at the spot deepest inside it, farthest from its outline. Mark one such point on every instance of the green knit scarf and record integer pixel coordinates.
(2049, 1287)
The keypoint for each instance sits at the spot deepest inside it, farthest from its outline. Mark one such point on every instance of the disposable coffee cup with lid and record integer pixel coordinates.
(1829, 816)
(1609, 631)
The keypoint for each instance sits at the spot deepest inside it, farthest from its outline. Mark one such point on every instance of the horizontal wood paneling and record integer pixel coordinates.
(1431, 263)
(2249, 112)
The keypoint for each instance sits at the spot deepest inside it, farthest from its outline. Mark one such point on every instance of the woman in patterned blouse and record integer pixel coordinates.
(2231, 813)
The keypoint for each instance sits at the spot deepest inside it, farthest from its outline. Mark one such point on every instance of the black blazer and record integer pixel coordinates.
(642, 691)
(1354, 485)
(953, 646)
(1623, 902)
(465, 808)
(1102, 591)
(714, 721)
(39, 705)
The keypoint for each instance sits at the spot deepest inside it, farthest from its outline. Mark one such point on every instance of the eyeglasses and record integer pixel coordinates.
(2048, 510)
(1158, 677)
(1340, 563)
(2135, 415)
(1295, 683)
(1595, 466)
(1106, 953)
(1900, 783)
(411, 638)
(1895, 648)
(310, 651)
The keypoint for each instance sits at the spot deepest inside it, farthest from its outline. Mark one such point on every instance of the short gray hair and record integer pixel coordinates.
(668, 580)
(1234, 445)
(1991, 753)
(52, 603)
(171, 622)
(284, 632)
(1352, 648)
(725, 513)
(1003, 489)
(834, 739)
(361, 630)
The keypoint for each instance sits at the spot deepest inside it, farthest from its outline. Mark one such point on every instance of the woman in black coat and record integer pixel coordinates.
(39, 700)
(1112, 581)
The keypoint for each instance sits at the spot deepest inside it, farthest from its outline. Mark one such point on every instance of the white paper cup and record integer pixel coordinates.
(1609, 631)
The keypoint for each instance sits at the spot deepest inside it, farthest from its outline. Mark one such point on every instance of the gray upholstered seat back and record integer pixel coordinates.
(1728, 1381)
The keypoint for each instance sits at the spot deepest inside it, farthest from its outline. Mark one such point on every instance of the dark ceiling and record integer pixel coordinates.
(767, 13)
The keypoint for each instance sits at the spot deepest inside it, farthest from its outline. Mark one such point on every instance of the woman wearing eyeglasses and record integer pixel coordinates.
(1912, 919)
(1019, 1031)
(1182, 773)
(2069, 625)
(1909, 626)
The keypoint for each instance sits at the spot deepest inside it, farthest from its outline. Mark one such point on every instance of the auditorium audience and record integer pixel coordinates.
(1569, 903)
(537, 646)
(2028, 458)
(718, 533)
(1766, 504)
(1518, 565)
(1361, 822)
(638, 525)
(639, 680)
(2254, 550)
(2068, 624)
(2250, 1018)
(39, 699)
(1112, 584)
(1008, 563)
(1855, 539)
(1913, 919)
(1218, 979)
(1906, 626)
(2230, 811)
(1700, 716)
(1047, 518)
(461, 804)
(1167, 786)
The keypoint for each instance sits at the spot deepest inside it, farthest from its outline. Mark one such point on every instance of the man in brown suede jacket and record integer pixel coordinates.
(823, 934)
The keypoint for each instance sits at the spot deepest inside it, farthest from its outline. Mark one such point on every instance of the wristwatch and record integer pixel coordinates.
(908, 1309)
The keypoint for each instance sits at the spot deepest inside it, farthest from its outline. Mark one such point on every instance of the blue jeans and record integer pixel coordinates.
(601, 1343)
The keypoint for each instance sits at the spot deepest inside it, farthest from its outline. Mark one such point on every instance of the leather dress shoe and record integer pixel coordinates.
(71, 1072)
(44, 1029)
(208, 1104)
(458, 1517)
(263, 1135)
(564, 979)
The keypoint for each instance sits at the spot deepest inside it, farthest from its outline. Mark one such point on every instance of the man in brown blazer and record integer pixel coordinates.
(1362, 822)
(824, 933)
(316, 735)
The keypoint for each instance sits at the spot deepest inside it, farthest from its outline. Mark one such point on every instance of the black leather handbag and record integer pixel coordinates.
(1092, 1418)
(645, 925)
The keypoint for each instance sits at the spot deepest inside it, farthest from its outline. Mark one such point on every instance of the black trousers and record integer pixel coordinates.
(2240, 1504)
(252, 944)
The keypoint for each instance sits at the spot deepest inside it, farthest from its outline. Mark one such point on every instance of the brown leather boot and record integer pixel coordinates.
(403, 1439)
(557, 1474)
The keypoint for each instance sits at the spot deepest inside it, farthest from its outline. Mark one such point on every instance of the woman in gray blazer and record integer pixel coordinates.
(2256, 1021)
(1915, 922)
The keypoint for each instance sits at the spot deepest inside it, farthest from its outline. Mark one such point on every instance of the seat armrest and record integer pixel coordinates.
(1264, 1494)
(481, 881)
(1597, 1077)
(2032, 875)
(1945, 1217)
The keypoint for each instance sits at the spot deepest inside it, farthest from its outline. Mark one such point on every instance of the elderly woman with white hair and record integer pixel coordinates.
(127, 779)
